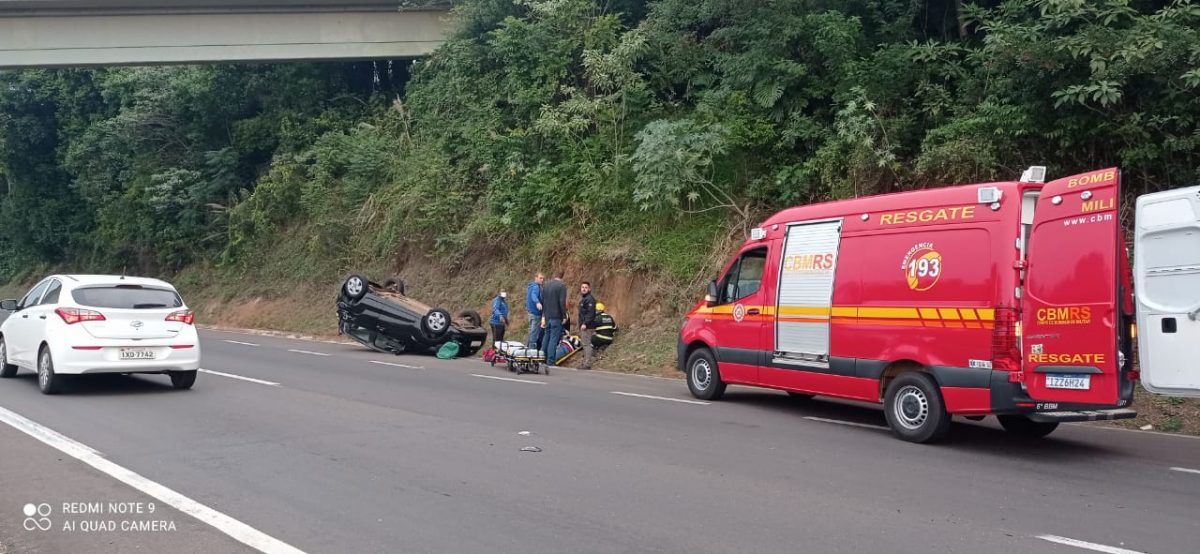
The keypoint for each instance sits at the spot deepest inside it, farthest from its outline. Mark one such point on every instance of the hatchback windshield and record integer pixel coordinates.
(127, 297)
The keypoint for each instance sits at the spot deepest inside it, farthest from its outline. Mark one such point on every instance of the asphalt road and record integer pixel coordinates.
(331, 448)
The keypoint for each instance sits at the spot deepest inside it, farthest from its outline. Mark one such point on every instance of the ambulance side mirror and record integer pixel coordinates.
(710, 298)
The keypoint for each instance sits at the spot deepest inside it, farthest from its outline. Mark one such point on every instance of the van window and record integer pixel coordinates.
(745, 276)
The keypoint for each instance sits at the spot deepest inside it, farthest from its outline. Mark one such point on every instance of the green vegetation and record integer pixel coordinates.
(642, 132)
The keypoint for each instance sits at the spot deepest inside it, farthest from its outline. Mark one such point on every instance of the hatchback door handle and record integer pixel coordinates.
(41, 317)
(26, 316)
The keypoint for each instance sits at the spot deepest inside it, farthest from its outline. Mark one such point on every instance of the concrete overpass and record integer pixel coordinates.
(58, 33)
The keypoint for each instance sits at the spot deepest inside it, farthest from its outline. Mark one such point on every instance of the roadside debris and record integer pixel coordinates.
(531, 449)
(1147, 427)
(524, 433)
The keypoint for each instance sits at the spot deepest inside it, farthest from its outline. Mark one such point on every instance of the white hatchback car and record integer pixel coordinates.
(86, 324)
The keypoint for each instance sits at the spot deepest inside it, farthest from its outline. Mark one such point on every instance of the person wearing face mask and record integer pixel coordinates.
(499, 319)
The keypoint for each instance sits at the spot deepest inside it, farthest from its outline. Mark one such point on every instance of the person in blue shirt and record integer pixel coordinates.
(499, 319)
(533, 305)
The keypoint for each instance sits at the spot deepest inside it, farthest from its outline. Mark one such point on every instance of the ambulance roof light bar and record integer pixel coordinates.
(1035, 174)
(758, 233)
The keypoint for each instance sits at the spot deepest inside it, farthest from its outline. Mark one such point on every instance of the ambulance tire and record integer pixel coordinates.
(915, 410)
(1022, 426)
(703, 377)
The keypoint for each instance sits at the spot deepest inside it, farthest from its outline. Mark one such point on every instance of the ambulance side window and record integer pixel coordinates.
(745, 276)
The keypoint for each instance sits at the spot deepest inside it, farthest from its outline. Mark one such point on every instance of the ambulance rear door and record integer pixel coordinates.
(1167, 284)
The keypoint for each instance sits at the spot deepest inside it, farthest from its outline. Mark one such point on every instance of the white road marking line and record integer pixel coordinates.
(1185, 470)
(652, 397)
(239, 342)
(309, 352)
(232, 376)
(850, 423)
(526, 381)
(397, 365)
(1087, 545)
(239, 531)
(1113, 428)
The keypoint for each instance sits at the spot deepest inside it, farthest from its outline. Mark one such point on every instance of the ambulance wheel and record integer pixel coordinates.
(915, 410)
(1022, 426)
(703, 377)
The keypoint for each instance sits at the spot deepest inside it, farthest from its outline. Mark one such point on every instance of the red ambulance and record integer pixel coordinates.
(1011, 299)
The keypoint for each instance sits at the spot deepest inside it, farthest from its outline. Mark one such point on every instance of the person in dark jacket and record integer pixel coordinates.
(606, 328)
(533, 305)
(554, 311)
(587, 316)
(499, 319)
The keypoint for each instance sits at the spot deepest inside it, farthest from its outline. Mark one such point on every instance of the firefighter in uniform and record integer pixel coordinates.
(606, 328)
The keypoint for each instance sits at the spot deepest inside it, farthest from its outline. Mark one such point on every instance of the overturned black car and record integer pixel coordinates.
(386, 319)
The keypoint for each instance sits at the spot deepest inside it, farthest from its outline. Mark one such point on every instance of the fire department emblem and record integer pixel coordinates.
(922, 266)
(739, 312)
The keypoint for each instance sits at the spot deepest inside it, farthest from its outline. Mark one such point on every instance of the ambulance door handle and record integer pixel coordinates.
(753, 311)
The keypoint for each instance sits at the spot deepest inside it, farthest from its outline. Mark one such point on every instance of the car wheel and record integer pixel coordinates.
(395, 284)
(915, 410)
(703, 377)
(472, 316)
(48, 381)
(1022, 426)
(355, 287)
(436, 323)
(6, 369)
(183, 380)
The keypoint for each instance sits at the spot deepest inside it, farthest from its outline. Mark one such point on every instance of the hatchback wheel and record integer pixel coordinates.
(6, 369)
(48, 381)
(183, 380)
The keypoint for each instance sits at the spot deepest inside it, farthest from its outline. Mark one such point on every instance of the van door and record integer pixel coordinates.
(1069, 310)
(1167, 265)
(806, 293)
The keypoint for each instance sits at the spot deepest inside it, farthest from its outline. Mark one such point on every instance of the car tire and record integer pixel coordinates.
(1022, 426)
(6, 369)
(703, 376)
(436, 323)
(472, 316)
(355, 287)
(395, 284)
(49, 382)
(915, 410)
(183, 380)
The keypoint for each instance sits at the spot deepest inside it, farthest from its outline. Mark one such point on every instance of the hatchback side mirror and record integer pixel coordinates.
(710, 299)
(8, 305)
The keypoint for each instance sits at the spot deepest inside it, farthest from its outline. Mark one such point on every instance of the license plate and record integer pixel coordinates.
(137, 354)
(1074, 381)
(476, 343)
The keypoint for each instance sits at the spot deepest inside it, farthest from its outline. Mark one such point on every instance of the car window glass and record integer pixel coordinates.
(745, 276)
(751, 273)
(126, 297)
(34, 294)
(51, 296)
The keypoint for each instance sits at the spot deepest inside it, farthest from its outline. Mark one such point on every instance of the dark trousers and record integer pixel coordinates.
(550, 339)
(498, 332)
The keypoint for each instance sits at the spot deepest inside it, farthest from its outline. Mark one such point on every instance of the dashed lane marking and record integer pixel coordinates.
(1087, 545)
(239, 342)
(526, 381)
(848, 423)
(652, 397)
(405, 366)
(308, 352)
(240, 377)
(1185, 470)
(239, 531)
